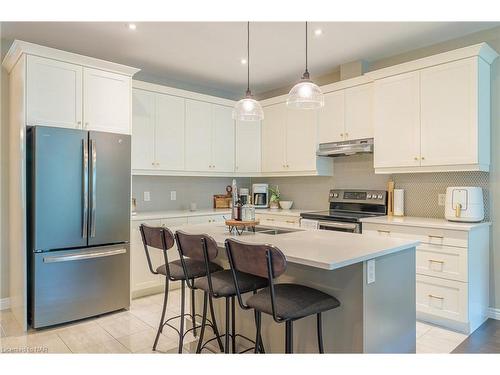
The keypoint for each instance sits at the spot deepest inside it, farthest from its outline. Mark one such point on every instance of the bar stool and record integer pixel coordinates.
(163, 239)
(219, 284)
(284, 302)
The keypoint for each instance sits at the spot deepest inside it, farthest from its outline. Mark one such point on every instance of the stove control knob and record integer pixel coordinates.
(380, 196)
(369, 196)
(335, 195)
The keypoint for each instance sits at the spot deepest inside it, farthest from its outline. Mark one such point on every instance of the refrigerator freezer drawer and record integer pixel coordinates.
(74, 284)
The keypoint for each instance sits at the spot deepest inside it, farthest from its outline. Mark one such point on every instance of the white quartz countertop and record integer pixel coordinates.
(152, 215)
(317, 248)
(426, 222)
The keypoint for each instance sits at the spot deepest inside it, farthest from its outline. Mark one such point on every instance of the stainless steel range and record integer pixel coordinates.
(347, 207)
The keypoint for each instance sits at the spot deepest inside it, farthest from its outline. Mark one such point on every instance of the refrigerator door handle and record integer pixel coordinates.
(93, 193)
(82, 256)
(85, 188)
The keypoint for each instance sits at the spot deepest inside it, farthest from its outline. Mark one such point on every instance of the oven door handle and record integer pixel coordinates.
(336, 224)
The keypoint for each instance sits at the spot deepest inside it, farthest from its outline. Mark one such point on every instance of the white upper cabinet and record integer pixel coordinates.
(290, 141)
(106, 101)
(222, 139)
(331, 126)
(54, 93)
(248, 147)
(397, 121)
(433, 114)
(143, 129)
(169, 132)
(301, 140)
(449, 113)
(198, 136)
(359, 112)
(274, 138)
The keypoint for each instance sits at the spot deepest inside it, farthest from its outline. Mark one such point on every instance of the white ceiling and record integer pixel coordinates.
(207, 54)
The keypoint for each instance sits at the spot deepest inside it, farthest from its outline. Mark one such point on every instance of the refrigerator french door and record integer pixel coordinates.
(78, 223)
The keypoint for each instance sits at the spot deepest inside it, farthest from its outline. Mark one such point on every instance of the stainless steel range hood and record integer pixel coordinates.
(357, 146)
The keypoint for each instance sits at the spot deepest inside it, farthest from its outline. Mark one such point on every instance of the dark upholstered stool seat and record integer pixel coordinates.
(293, 301)
(195, 268)
(223, 283)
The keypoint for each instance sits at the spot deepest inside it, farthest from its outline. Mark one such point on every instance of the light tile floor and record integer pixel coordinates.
(133, 331)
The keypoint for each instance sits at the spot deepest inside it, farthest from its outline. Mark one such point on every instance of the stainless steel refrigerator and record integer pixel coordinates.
(78, 218)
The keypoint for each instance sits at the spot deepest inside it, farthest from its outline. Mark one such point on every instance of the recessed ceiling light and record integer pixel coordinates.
(243, 61)
(318, 32)
(132, 26)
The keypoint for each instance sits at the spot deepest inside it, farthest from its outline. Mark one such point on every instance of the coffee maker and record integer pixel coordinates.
(260, 194)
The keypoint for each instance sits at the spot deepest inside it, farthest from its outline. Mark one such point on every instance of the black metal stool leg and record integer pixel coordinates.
(193, 309)
(288, 337)
(257, 329)
(160, 327)
(203, 323)
(216, 330)
(320, 333)
(233, 325)
(183, 303)
(226, 337)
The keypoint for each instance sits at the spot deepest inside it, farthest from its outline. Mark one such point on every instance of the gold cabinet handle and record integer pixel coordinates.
(342, 135)
(437, 297)
(436, 261)
(269, 219)
(422, 158)
(416, 158)
(435, 236)
(383, 231)
(290, 221)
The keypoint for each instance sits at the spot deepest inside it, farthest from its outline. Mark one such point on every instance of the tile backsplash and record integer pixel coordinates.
(422, 189)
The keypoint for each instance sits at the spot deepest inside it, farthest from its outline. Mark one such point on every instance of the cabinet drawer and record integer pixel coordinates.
(431, 236)
(442, 261)
(278, 220)
(443, 298)
(174, 221)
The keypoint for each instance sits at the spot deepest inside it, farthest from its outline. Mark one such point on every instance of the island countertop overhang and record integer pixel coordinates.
(327, 250)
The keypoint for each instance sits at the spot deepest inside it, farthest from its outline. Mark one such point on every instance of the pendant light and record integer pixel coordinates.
(248, 109)
(305, 94)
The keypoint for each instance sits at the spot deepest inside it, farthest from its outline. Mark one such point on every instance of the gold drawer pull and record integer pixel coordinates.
(434, 236)
(290, 221)
(384, 231)
(437, 297)
(436, 261)
(269, 219)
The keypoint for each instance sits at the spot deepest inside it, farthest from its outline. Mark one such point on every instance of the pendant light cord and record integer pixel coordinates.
(248, 58)
(306, 46)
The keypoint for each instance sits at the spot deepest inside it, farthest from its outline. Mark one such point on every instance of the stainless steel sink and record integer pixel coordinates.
(272, 231)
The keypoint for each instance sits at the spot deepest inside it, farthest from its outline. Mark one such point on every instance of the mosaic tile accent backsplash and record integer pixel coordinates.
(422, 189)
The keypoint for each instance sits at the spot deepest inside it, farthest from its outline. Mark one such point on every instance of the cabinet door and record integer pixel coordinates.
(106, 101)
(54, 93)
(301, 136)
(397, 121)
(222, 139)
(143, 129)
(141, 276)
(169, 132)
(359, 112)
(248, 151)
(331, 118)
(198, 135)
(449, 121)
(274, 138)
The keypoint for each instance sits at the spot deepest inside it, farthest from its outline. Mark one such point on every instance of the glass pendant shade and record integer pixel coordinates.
(248, 109)
(305, 95)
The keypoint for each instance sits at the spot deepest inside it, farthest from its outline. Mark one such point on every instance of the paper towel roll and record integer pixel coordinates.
(399, 202)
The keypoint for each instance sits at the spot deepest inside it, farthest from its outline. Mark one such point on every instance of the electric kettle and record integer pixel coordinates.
(464, 203)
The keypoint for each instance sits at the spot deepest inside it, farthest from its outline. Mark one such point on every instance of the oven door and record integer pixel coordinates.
(340, 226)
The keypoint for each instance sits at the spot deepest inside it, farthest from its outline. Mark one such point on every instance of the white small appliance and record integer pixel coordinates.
(260, 195)
(464, 203)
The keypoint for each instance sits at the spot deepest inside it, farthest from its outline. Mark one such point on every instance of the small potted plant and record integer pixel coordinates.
(274, 200)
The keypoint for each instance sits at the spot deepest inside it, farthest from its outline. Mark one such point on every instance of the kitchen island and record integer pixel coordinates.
(372, 277)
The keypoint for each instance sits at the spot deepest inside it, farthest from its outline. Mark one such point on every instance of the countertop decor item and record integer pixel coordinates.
(286, 205)
(248, 109)
(239, 226)
(305, 94)
(399, 202)
(275, 197)
(464, 203)
(390, 198)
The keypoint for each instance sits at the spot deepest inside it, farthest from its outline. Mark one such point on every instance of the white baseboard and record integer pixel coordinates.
(4, 303)
(494, 313)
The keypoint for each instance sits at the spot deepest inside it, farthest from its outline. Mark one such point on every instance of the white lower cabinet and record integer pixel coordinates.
(452, 272)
